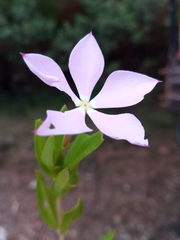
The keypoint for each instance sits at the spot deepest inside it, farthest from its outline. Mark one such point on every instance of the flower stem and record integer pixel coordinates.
(59, 210)
(59, 215)
(67, 140)
(60, 236)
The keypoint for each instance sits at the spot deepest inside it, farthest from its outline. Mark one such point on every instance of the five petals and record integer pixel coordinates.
(121, 89)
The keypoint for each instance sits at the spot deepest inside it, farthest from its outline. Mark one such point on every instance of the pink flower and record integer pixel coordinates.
(121, 89)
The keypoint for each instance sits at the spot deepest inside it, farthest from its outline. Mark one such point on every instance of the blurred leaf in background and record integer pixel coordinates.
(133, 35)
(25, 26)
(122, 28)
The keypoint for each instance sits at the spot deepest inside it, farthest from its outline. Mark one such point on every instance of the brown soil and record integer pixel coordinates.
(133, 190)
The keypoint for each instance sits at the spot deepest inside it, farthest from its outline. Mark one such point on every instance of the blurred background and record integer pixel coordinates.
(138, 186)
(133, 36)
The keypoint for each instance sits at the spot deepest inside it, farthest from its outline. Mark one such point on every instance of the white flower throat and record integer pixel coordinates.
(86, 105)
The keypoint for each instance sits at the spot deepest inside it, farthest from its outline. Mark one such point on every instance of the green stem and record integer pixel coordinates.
(60, 236)
(59, 210)
(59, 213)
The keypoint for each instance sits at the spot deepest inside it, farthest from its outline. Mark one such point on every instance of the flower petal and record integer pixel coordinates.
(67, 123)
(49, 72)
(122, 126)
(123, 89)
(86, 64)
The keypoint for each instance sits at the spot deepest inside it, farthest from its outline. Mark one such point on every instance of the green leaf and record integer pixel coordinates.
(47, 153)
(81, 147)
(58, 149)
(58, 144)
(109, 236)
(39, 143)
(48, 157)
(61, 184)
(73, 176)
(46, 202)
(64, 108)
(70, 216)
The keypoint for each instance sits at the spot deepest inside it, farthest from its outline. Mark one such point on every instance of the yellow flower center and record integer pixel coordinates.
(86, 105)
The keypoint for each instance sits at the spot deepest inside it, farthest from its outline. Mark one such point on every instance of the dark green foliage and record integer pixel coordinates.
(130, 33)
(117, 25)
(23, 25)
(23, 28)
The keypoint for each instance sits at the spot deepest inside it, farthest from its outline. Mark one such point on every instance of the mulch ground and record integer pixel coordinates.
(131, 189)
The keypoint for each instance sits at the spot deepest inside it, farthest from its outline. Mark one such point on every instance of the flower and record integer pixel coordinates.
(121, 89)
